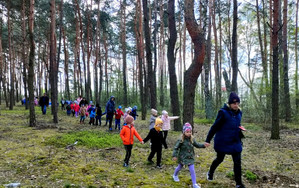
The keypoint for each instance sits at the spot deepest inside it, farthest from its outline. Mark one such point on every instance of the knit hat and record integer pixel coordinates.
(233, 97)
(164, 112)
(187, 127)
(129, 119)
(154, 112)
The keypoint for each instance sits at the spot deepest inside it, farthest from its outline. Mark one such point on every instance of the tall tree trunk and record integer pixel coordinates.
(216, 63)
(60, 34)
(124, 50)
(296, 60)
(154, 81)
(191, 75)
(275, 86)
(287, 102)
(66, 66)
(235, 48)
(207, 63)
(97, 54)
(150, 73)
(106, 64)
(53, 64)
(140, 54)
(24, 53)
(89, 50)
(162, 56)
(1, 57)
(32, 119)
(174, 95)
(11, 59)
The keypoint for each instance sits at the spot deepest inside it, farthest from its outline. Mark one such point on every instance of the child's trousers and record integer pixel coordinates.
(154, 150)
(128, 149)
(191, 169)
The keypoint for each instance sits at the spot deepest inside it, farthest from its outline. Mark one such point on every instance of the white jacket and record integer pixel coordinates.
(166, 121)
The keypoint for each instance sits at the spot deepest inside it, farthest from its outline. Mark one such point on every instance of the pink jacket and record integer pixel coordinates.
(166, 121)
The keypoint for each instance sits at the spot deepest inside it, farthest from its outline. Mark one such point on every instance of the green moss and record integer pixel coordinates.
(250, 176)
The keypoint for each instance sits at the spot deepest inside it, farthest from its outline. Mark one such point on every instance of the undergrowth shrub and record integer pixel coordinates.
(250, 176)
(89, 139)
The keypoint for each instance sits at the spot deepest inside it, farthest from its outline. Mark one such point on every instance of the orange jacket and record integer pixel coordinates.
(127, 133)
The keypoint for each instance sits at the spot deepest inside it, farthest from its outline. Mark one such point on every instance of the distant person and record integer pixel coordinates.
(184, 153)
(68, 109)
(166, 123)
(62, 102)
(109, 111)
(127, 112)
(36, 101)
(92, 115)
(98, 115)
(127, 135)
(118, 115)
(83, 102)
(134, 112)
(154, 115)
(227, 141)
(79, 99)
(44, 102)
(156, 137)
(82, 114)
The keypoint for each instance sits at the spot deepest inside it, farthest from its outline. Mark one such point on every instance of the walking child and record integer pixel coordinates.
(77, 109)
(127, 112)
(184, 153)
(154, 115)
(82, 114)
(126, 134)
(134, 112)
(92, 115)
(156, 137)
(166, 123)
(98, 115)
(68, 109)
(118, 115)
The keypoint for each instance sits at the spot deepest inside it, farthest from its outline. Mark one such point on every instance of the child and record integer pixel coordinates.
(156, 137)
(118, 115)
(82, 114)
(166, 123)
(68, 110)
(126, 135)
(92, 115)
(127, 112)
(134, 112)
(154, 114)
(98, 115)
(73, 108)
(77, 109)
(184, 153)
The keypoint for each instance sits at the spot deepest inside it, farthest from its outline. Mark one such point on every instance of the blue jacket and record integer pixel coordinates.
(226, 130)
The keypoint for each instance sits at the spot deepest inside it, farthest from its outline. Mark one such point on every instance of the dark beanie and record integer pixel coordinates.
(233, 97)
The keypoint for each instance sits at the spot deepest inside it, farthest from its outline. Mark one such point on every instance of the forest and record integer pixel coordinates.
(183, 56)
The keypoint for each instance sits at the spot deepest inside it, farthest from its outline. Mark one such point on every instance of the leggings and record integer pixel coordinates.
(191, 170)
(128, 149)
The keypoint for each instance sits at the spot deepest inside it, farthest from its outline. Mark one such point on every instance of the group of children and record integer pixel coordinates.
(183, 150)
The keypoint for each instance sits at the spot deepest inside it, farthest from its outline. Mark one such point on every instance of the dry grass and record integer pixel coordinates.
(27, 156)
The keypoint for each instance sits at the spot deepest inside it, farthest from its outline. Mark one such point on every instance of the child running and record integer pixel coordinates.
(166, 123)
(156, 137)
(126, 134)
(118, 115)
(82, 114)
(184, 153)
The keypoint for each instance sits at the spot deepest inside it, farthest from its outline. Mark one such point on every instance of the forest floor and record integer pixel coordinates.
(39, 157)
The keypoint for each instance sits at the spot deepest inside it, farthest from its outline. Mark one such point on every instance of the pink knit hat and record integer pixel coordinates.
(187, 127)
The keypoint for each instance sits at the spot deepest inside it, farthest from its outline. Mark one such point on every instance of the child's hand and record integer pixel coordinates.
(142, 142)
(174, 158)
(207, 144)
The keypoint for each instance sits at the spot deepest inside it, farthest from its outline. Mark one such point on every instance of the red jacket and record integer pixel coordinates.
(127, 134)
(118, 114)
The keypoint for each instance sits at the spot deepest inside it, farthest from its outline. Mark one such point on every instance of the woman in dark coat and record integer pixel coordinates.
(227, 141)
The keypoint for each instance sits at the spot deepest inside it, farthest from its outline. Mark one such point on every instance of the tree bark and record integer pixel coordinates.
(24, 53)
(287, 102)
(296, 60)
(53, 64)
(174, 95)
(124, 51)
(235, 48)
(275, 86)
(66, 66)
(150, 73)
(1, 57)
(32, 119)
(192, 73)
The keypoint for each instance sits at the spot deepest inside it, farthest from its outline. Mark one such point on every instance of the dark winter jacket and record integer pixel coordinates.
(226, 130)
(44, 100)
(83, 102)
(184, 151)
(110, 107)
(156, 138)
